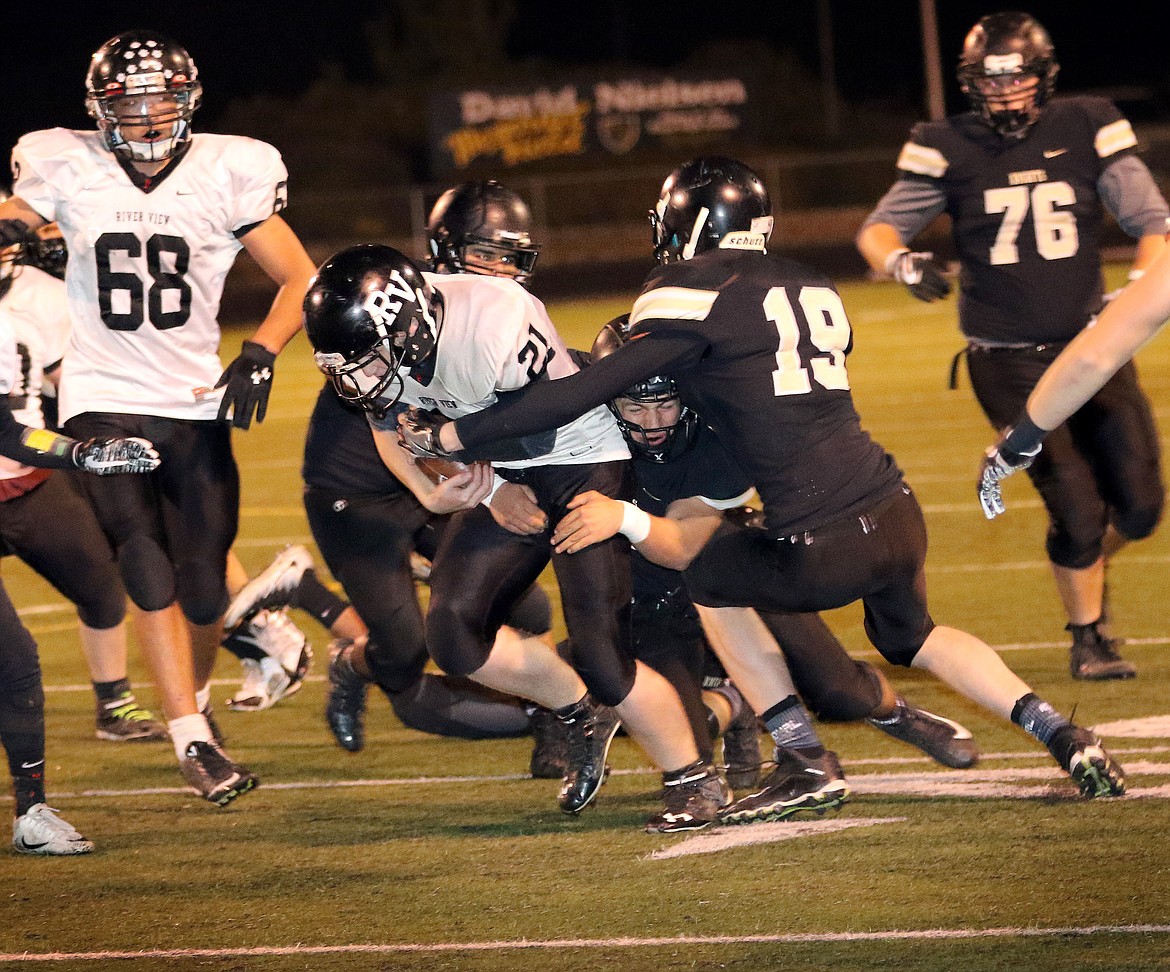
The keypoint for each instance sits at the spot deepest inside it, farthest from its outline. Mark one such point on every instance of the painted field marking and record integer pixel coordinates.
(403, 948)
(725, 838)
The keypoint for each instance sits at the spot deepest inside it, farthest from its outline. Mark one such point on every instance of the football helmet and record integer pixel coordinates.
(482, 227)
(369, 313)
(142, 89)
(659, 444)
(708, 203)
(1008, 71)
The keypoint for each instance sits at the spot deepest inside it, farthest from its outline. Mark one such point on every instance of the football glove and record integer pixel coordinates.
(920, 273)
(105, 457)
(419, 431)
(1000, 462)
(248, 380)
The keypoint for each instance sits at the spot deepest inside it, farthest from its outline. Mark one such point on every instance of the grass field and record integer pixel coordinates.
(425, 853)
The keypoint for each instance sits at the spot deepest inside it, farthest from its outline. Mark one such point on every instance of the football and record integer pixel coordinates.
(436, 470)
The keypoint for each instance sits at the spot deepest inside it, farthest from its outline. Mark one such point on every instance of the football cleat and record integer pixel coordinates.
(1093, 657)
(40, 831)
(345, 702)
(211, 773)
(272, 587)
(692, 802)
(941, 739)
(550, 746)
(798, 785)
(1085, 759)
(590, 729)
(741, 748)
(124, 720)
(281, 672)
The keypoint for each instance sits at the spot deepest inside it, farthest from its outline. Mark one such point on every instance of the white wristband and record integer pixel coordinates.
(497, 482)
(635, 523)
(892, 259)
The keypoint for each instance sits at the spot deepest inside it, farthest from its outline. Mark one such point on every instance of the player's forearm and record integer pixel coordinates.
(400, 464)
(675, 543)
(284, 317)
(34, 447)
(876, 242)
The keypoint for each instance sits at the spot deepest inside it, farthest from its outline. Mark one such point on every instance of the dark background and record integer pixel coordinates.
(246, 49)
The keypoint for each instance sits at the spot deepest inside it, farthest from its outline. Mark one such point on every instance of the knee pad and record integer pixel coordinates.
(455, 707)
(851, 701)
(147, 573)
(202, 593)
(455, 648)
(104, 607)
(394, 675)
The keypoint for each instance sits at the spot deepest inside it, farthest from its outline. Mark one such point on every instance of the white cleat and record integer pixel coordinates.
(272, 586)
(41, 831)
(281, 672)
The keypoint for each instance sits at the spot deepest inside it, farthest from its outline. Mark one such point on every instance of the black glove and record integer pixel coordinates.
(999, 462)
(419, 431)
(920, 273)
(248, 380)
(108, 456)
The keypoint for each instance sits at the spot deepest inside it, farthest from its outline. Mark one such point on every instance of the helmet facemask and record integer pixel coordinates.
(658, 443)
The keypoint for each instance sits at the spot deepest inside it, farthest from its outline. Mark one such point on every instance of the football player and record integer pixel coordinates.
(366, 523)
(757, 346)
(44, 519)
(1026, 179)
(686, 479)
(153, 216)
(386, 332)
(36, 828)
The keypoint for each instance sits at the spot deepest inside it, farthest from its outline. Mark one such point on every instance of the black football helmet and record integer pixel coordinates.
(485, 216)
(369, 313)
(677, 438)
(124, 70)
(708, 203)
(1008, 71)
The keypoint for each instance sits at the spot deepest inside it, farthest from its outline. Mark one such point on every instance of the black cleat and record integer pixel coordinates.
(692, 802)
(213, 775)
(345, 703)
(1086, 760)
(941, 739)
(124, 720)
(590, 728)
(216, 733)
(550, 746)
(798, 784)
(741, 749)
(1093, 657)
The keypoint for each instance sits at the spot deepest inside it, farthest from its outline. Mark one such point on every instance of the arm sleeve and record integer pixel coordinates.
(551, 404)
(1129, 192)
(33, 447)
(910, 205)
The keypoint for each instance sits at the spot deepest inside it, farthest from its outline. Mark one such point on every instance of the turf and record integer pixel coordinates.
(440, 854)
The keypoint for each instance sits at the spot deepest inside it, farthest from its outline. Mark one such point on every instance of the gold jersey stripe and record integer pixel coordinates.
(1114, 137)
(673, 304)
(922, 160)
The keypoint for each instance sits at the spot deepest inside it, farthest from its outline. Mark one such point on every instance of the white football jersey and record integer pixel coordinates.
(146, 268)
(497, 337)
(34, 320)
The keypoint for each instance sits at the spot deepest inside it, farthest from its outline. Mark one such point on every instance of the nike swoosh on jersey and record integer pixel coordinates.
(1053, 153)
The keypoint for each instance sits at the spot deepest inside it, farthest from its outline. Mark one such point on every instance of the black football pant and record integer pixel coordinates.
(1102, 466)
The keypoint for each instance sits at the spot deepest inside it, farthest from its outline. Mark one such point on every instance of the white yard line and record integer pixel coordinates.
(669, 941)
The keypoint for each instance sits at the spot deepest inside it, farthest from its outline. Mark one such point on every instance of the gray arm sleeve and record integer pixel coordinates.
(909, 206)
(1131, 195)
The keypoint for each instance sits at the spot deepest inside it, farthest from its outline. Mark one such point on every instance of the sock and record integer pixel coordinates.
(734, 698)
(109, 691)
(186, 730)
(575, 710)
(29, 788)
(791, 727)
(894, 717)
(203, 697)
(315, 599)
(1032, 714)
(692, 771)
(22, 735)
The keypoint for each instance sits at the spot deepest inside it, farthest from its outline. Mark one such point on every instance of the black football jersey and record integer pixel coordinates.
(757, 346)
(340, 454)
(705, 470)
(1026, 216)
